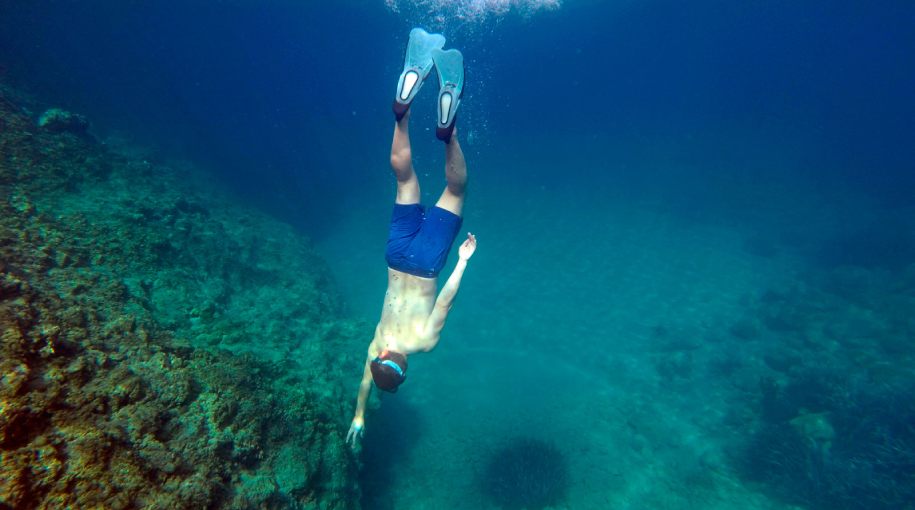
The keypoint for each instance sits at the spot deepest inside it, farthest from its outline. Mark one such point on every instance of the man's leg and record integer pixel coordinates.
(402, 163)
(452, 198)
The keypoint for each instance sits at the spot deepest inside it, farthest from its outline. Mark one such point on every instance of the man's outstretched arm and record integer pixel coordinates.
(446, 296)
(358, 425)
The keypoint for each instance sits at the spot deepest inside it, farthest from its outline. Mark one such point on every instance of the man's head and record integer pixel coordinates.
(389, 370)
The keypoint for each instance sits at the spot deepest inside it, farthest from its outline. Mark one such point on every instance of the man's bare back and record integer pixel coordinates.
(407, 306)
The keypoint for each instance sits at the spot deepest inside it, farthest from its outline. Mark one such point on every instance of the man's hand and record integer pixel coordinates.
(356, 429)
(468, 247)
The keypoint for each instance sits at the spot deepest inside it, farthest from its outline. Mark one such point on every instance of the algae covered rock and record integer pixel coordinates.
(56, 120)
(156, 340)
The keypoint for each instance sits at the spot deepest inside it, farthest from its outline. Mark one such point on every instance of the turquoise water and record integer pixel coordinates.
(696, 266)
(612, 322)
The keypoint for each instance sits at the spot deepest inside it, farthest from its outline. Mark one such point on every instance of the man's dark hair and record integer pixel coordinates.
(386, 376)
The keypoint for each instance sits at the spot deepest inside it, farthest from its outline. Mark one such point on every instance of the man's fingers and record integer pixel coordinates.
(353, 434)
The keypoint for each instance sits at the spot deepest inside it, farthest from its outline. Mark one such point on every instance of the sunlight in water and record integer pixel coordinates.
(443, 11)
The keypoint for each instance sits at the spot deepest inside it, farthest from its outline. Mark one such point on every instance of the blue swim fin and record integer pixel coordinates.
(450, 67)
(417, 66)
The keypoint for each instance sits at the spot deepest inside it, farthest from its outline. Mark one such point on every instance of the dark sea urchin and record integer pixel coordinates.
(526, 474)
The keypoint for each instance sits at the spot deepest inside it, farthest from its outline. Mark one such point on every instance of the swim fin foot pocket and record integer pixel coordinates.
(450, 68)
(417, 66)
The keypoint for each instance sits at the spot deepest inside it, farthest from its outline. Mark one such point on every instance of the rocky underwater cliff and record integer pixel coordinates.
(161, 346)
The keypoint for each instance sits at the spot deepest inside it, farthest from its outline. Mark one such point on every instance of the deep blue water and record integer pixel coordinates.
(258, 90)
(644, 175)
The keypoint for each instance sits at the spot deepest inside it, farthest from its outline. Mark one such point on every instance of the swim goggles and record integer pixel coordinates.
(392, 364)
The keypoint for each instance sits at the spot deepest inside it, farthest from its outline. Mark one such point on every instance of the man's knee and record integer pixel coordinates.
(400, 160)
(456, 187)
(456, 180)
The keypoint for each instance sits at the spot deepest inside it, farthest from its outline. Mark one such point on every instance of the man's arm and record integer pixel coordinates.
(445, 300)
(358, 425)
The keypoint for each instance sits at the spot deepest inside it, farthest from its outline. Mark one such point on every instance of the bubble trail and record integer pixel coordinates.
(441, 11)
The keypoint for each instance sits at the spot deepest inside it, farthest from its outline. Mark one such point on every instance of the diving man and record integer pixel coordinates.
(420, 239)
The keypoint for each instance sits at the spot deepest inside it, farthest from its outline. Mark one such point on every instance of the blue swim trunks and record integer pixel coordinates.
(420, 239)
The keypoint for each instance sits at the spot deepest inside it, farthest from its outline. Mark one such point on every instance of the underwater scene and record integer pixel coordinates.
(457, 254)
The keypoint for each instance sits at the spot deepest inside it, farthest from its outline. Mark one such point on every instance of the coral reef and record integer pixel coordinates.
(160, 346)
(527, 474)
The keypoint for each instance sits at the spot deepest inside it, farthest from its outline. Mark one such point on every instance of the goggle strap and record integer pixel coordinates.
(389, 363)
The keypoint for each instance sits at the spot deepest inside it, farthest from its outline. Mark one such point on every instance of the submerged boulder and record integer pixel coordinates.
(56, 120)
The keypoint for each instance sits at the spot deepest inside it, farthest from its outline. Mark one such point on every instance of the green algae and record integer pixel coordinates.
(159, 342)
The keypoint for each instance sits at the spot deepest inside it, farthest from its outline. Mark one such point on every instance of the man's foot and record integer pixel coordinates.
(450, 67)
(417, 66)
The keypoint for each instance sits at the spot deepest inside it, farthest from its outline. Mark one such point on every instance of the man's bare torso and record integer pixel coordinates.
(407, 305)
